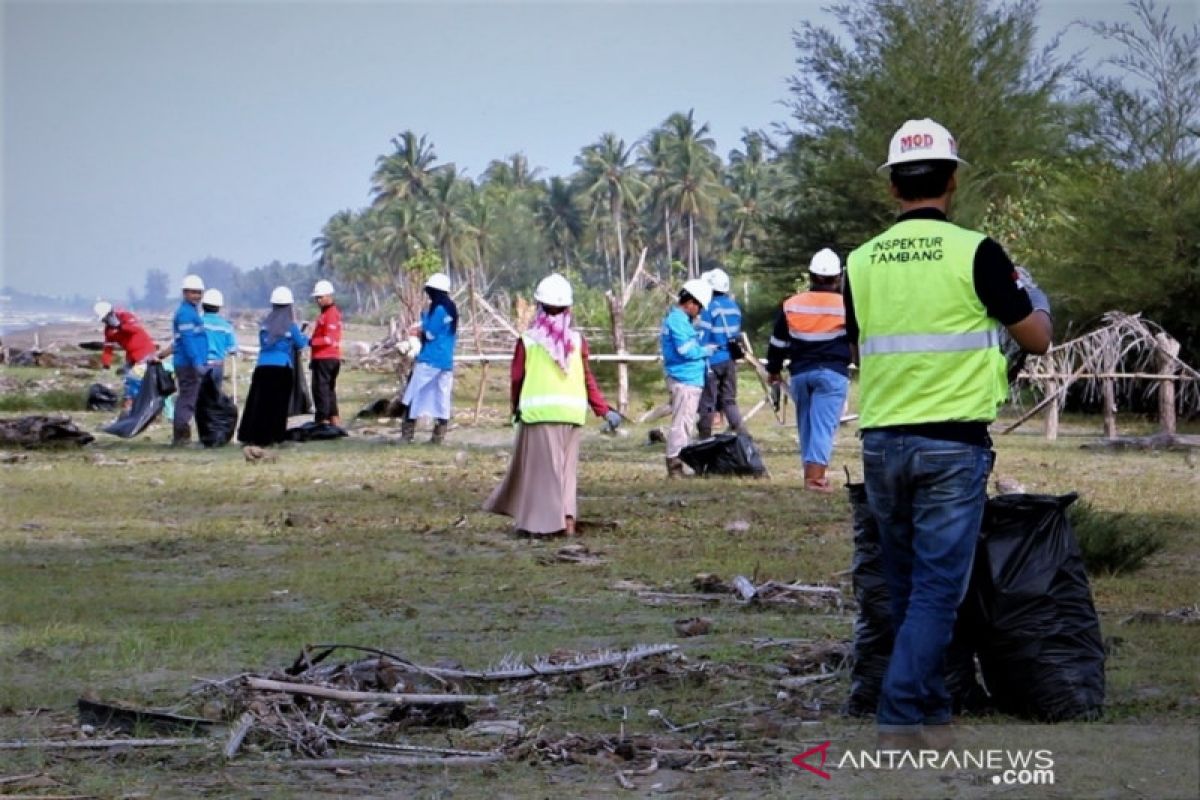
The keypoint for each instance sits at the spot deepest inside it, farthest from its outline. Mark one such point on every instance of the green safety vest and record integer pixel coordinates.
(928, 351)
(548, 394)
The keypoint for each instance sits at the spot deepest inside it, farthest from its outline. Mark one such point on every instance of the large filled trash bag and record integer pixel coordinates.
(157, 385)
(301, 400)
(1027, 618)
(101, 398)
(724, 454)
(1042, 656)
(315, 432)
(216, 414)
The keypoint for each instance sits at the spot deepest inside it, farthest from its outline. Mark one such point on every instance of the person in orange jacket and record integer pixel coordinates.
(810, 332)
(326, 358)
(123, 329)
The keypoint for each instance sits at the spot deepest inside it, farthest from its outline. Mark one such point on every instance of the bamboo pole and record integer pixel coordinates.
(483, 370)
(1050, 397)
(366, 697)
(1109, 392)
(1168, 352)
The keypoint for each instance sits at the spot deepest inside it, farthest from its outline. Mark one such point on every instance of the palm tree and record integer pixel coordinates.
(655, 158)
(406, 172)
(513, 173)
(749, 180)
(692, 184)
(560, 220)
(445, 195)
(607, 174)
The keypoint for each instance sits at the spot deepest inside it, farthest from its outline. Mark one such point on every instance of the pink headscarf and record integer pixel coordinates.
(553, 332)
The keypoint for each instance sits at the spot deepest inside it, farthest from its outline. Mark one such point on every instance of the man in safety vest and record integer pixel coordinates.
(810, 331)
(721, 326)
(685, 360)
(925, 301)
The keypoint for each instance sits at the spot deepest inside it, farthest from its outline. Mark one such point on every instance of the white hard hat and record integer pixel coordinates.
(281, 296)
(825, 262)
(921, 140)
(322, 288)
(718, 279)
(213, 297)
(102, 309)
(438, 280)
(554, 290)
(699, 289)
(192, 283)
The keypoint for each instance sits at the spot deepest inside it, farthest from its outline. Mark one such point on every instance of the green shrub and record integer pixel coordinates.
(1112, 543)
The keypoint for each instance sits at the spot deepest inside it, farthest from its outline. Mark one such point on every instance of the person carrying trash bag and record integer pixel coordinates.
(431, 386)
(685, 361)
(222, 340)
(123, 329)
(925, 301)
(189, 349)
(265, 417)
(720, 325)
(810, 333)
(552, 389)
(326, 355)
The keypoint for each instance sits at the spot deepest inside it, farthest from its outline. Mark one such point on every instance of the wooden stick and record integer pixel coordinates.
(367, 697)
(98, 744)
(384, 761)
(1049, 398)
(761, 372)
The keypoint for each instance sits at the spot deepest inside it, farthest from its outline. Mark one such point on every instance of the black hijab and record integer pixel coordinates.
(439, 298)
(278, 322)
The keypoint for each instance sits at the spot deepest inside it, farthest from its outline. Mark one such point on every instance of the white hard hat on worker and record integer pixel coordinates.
(718, 279)
(439, 281)
(322, 289)
(554, 291)
(920, 140)
(825, 262)
(213, 297)
(700, 290)
(281, 296)
(192, 283)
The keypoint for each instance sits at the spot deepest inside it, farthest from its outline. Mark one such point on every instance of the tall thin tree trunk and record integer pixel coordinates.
(693, 262)
(616, 212)
(667, 226)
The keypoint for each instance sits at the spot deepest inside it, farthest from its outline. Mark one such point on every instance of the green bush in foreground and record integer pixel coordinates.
(1112, 543)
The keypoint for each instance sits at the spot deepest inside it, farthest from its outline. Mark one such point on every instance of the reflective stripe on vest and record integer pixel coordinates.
(930, 342)
(548, 394)
(929, 350)
(815, 316)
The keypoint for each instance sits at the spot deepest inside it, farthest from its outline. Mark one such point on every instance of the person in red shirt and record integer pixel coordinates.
(326, 358)
(123, 329)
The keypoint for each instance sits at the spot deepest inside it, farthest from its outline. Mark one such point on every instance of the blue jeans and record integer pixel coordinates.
(928, 497)
(819, 395)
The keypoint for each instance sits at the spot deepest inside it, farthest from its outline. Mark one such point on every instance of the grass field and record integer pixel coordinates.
(128, 569)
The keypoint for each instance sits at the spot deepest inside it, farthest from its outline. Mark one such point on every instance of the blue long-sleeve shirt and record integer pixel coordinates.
(222, 341)
(684, 358)
(190, 341)
(439, 338)
(720, 324)
(279, 354)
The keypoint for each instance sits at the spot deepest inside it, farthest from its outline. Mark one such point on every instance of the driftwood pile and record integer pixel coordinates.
(40, 431)
(317, 709)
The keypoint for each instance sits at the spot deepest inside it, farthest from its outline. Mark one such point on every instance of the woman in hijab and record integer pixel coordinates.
(429, 389)
(552, 389)
(264, 420)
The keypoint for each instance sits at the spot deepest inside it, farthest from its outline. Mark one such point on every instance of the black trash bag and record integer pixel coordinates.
(874, 634)
(1043, 655)
(101, 398)
(724, 454)
(314, 432)
(377, 409)
(216, 413)
(301, 400)
(146, 406)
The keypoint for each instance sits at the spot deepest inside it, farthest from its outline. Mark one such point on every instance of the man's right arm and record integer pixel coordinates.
(851, 317)
(998, 285)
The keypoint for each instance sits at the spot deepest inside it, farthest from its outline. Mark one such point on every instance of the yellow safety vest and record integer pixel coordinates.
(928, 350)
(548, 394)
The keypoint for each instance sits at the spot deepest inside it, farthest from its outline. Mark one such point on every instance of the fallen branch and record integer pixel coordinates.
(98, 744)
(542, 669)
(385, 761)
(367, 697)
(800, 681)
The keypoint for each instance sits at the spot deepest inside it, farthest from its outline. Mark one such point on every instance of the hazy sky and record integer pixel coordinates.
(151, 134)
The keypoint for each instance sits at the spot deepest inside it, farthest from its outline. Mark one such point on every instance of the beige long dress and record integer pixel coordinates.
(538, 491)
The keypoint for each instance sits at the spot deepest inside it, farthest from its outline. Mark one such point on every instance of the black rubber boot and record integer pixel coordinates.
(439, 431)
(408, 429)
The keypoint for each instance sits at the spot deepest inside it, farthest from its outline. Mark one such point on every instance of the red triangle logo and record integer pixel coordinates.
(802, 759)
